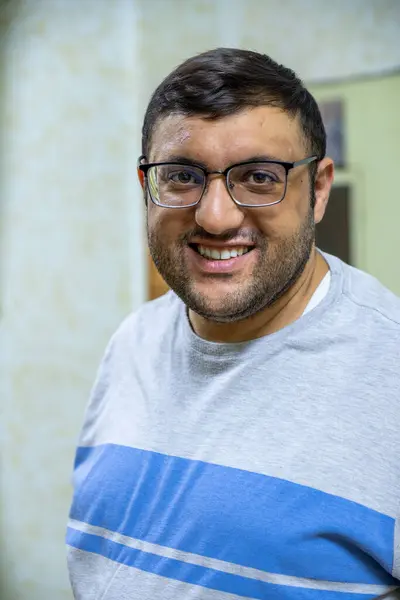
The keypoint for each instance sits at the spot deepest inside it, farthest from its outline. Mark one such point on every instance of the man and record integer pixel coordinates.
(242, 437)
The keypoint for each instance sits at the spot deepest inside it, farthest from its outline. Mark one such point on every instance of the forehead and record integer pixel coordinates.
(261, 131)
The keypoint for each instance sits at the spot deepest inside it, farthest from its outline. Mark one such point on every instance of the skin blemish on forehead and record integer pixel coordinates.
(174, 132)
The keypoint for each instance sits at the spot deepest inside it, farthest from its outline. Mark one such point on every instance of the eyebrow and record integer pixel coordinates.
(264, 157)
(185, 160)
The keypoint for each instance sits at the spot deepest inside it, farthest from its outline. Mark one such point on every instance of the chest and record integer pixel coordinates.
(280, 473)
(268, 417)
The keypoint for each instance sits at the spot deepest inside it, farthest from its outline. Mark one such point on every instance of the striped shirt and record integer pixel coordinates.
(266, 469)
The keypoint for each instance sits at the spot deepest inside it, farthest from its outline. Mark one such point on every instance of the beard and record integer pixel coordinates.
(278, 268)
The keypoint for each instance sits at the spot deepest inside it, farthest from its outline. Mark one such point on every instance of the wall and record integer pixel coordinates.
(372, 129)
(322, 41)
(70, 267)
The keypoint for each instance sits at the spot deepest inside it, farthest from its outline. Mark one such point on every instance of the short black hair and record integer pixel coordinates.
(224, 81)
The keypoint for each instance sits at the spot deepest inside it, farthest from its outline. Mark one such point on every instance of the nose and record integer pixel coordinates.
(217, 212)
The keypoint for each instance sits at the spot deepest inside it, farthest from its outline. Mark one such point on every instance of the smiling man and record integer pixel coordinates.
(242, 439)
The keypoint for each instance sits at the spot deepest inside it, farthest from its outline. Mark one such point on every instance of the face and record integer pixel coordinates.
(272, 243)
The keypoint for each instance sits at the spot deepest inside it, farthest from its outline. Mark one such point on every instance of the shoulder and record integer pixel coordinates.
(143, 334)
(150, 322)
(368, 296)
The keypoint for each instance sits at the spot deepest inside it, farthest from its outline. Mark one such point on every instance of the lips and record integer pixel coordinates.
(227, 261)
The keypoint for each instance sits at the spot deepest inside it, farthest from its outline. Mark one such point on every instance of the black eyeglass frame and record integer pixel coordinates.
(288, 166)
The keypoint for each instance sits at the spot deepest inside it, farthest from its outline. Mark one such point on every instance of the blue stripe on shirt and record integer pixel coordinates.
(198, 575)
(233, 515)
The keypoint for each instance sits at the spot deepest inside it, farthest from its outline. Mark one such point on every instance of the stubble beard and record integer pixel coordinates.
(277, 270)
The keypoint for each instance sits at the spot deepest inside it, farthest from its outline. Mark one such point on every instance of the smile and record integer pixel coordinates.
(222, 253)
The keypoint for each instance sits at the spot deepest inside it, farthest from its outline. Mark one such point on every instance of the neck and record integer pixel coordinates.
(284, 311)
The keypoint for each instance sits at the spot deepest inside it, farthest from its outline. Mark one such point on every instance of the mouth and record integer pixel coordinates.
(223, 261)
(220, 254)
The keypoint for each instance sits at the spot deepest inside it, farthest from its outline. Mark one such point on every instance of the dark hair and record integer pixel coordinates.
(224, 81)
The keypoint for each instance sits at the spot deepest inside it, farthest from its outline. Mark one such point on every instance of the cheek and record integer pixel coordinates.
(155, 228)
(287, 217)
(165, 223)
(279, 222)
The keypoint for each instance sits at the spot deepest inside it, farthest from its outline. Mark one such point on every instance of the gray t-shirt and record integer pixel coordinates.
(265, 469)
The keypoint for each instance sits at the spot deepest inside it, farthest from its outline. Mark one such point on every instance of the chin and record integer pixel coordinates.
(215, 316)
(216, 296)
(220, 308)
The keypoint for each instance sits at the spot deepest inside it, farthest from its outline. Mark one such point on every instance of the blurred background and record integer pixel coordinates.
(75, 78)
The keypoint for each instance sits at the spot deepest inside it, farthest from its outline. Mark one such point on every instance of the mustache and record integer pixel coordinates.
(244, 235)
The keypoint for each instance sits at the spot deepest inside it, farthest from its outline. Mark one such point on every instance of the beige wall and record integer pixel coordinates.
(70, 268)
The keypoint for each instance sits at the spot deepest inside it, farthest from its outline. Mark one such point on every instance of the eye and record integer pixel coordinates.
(259, 177)
(185, 177)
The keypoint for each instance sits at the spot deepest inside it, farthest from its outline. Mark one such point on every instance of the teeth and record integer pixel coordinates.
(223, 254)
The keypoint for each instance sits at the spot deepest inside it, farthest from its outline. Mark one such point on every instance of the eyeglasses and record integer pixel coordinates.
(250, 184)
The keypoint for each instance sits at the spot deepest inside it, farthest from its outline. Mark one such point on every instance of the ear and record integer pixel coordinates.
(322, 187)
(141, 177)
